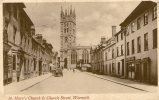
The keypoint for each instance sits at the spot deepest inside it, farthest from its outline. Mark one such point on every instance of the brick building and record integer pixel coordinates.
(26, 54)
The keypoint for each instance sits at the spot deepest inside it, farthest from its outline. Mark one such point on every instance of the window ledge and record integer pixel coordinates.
(154, 19)
(145, 24)
(154, 47)
(146, 50)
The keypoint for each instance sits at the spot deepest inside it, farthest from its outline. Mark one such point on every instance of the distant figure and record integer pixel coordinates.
(74, 70)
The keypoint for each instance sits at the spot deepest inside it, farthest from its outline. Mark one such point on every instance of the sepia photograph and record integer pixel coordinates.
(79, 48)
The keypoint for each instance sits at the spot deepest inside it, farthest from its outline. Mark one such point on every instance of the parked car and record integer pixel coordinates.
(58, 72)
(86, 67)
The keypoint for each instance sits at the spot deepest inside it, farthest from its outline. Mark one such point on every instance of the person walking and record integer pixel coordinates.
(73, 70)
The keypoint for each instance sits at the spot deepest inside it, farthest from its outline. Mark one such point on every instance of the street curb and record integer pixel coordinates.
(118, 82)
(34, 84)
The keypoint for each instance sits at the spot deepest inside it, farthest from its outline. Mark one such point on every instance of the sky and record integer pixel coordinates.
(93, 19)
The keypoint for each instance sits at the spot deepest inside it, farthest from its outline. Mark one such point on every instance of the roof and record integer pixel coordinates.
(118, 32)
(83, 47)
(143, 6)
(28, 18)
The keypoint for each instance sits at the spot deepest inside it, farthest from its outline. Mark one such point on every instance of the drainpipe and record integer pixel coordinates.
(125, 52)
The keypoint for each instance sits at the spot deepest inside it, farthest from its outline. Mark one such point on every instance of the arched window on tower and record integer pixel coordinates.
(85, 56)
(73, 57)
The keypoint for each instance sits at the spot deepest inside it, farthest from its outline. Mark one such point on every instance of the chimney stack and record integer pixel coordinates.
(102, 39)
(113, 30)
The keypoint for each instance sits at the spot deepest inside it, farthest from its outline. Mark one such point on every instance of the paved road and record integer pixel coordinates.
(78, 82)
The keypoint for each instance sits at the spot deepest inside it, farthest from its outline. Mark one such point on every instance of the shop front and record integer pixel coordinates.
(130, 68)
(138, 70)
(6, 67)
(146, 62)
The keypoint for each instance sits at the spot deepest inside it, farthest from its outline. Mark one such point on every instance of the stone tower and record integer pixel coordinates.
(68, 34)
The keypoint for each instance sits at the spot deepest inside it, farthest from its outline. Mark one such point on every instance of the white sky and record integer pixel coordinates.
(94, 19)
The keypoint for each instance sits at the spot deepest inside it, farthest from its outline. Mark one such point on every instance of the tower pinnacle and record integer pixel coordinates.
(71, 10)
(62, 13)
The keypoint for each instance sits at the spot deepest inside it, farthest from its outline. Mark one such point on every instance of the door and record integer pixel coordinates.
(40, 67)
(137, 71)
(146, 72)
(65, 63)
(123, 67)
(131, 69)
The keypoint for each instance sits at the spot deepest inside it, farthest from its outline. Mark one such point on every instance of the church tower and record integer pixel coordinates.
(68, 34)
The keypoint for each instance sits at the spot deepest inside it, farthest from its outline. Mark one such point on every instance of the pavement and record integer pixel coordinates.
(16, 87)
(127, 82)
(77, 82)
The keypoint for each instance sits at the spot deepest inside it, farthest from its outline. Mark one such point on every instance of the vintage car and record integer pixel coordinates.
(86, 67)
(58, 72)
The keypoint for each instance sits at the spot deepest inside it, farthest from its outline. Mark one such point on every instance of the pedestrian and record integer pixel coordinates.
(74, 70)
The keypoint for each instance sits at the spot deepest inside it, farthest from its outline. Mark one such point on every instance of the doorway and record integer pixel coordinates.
(122, 67)
(40, 67)
(65, 63)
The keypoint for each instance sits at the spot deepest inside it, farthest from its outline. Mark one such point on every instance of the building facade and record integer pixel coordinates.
(120, 53)
(109, 57)
(131, 53)
(141, 43)
(26, 54)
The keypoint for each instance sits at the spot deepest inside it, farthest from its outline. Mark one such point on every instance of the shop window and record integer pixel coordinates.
(154, 15)
(139, 23)
(155, 38)
(146, 18)
(146, 41)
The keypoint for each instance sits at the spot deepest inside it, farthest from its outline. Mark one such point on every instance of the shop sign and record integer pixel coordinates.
(130, 59)
(146, 59)
(137, 60)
